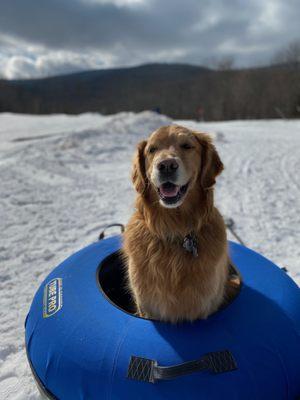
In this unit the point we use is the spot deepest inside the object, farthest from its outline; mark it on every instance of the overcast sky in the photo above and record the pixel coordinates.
(50, 37)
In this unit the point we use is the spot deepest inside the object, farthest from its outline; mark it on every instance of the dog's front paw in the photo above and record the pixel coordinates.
(140, 313)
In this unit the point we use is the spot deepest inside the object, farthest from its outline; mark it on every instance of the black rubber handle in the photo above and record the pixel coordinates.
(143, 369)
(229, 222)
(102, 234)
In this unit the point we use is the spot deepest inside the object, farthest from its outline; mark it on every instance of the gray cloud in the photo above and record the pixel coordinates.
(42, 37)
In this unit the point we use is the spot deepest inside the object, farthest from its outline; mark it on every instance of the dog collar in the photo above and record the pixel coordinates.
(190, 244)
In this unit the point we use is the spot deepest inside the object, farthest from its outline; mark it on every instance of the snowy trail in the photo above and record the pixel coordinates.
(70, 178)
(260, 187)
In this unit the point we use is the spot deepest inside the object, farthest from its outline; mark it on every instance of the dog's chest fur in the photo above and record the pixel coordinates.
(167, 281)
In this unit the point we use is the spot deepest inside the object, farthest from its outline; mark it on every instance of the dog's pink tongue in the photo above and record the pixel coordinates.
(169, 191)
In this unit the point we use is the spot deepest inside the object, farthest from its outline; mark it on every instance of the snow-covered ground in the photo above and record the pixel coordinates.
(63, 178)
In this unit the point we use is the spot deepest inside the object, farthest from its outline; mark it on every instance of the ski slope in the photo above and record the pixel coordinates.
(63, 178)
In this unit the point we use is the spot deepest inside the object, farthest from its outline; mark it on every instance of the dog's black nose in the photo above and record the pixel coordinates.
(167, 166)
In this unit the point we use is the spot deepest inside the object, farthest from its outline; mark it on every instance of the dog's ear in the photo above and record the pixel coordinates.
(211, 164)
(139, 178)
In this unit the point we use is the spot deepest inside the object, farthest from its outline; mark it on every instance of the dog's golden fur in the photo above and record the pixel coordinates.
(167, 282)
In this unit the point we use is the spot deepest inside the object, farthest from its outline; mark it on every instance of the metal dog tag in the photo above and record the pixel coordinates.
(190, 244)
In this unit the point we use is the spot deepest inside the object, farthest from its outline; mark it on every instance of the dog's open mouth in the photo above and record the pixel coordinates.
(171, 193)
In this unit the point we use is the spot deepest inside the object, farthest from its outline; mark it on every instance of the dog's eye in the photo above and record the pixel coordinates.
(186, 146)
(152, 149)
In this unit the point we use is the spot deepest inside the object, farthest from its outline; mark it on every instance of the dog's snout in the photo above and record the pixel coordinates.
(167, 166)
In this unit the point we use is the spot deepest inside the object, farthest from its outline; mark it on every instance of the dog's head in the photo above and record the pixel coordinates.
(174, 162)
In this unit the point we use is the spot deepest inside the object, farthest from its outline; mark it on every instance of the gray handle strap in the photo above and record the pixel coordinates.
(143, 369)
(102, 234)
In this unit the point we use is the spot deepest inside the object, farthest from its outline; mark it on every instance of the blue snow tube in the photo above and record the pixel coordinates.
(83, 343)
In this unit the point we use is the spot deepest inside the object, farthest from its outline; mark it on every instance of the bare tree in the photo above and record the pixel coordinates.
(224, 63)
(290, 55)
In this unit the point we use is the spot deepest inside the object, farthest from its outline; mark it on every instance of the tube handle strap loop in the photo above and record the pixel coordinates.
(102, 234)
(143, 369)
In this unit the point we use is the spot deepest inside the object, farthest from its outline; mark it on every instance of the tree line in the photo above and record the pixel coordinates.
(180, 91)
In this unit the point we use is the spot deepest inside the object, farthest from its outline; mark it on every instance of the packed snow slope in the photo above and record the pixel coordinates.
(63, 178)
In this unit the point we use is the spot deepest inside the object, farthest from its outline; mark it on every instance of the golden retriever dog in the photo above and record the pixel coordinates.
(175, 243)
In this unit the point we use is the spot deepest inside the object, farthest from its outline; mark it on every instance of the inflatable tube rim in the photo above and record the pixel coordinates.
(107, 298)
(41, 387)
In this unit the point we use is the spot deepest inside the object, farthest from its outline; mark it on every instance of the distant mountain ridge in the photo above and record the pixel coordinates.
(177, 90)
